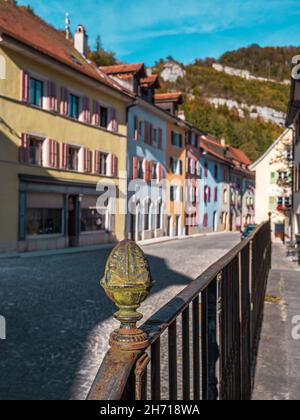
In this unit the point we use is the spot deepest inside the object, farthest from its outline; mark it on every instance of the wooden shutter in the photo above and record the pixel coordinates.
(25, 85)
(160, 138)
(136, 128)
(150, 134)
(150, 165)
(64, 155)
(114, 165)
(135, 167)
(96, 162)
(96, 113)
(64, 101)
(216, 193)
(24, 148)
(86, 109)
(160, 173)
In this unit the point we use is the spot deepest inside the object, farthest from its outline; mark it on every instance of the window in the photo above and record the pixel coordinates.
(103, 117)
(176, 166)
(36, 92)
(225, 200)
(206, 169)
(35, 154)
(175, 193)
(176, 139)
(73, 107)
(101, 163)
(140, 169)
(43, 221)
(155, 137)
(92, 221)
(216, 172)
(72, 162)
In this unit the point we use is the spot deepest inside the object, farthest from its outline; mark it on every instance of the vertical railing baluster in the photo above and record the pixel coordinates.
(173, 386)
(155, 371)
(186, 383)
(196, 349)
(204, 344)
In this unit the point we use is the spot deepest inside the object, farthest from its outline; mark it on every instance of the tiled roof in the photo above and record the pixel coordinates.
(31, 30)
(224, 152)
(170, 96)
(124, 68)
(150, 81)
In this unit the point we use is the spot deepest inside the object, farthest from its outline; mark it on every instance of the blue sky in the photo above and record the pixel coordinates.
(186, 29)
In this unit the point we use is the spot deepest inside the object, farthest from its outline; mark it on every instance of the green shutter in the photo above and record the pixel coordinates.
(272, 203)
(274, 177)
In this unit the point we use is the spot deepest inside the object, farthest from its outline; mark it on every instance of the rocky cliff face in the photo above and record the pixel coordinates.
(172, 72)
(254, 111)
(245, 74)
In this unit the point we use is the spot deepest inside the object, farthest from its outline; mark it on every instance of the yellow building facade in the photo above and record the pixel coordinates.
(176, 171)
(49, 199)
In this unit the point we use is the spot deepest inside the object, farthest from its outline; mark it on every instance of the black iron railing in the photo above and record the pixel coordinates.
(212, 327)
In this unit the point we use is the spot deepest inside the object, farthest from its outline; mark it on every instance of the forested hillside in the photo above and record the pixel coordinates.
(268, 62)
(237, 123)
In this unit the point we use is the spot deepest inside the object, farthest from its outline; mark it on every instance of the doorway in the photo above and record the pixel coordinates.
(73, 217)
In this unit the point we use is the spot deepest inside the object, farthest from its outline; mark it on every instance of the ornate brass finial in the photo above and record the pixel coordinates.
(127, 282)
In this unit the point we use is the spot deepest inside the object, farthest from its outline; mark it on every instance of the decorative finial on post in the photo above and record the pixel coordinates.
(127, 282)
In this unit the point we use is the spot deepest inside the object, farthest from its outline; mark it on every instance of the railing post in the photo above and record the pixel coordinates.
(127, 282)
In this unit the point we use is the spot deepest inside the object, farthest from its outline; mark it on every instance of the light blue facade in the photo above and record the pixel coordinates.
(148, 222)
(210, 195)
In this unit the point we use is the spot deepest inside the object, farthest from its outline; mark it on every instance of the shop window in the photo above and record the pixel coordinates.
(92, 221)
(43, 222)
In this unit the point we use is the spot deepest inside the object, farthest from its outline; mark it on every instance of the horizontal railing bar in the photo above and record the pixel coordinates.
(164, 317)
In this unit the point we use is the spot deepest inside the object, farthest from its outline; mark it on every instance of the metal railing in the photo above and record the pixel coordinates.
(219, 316)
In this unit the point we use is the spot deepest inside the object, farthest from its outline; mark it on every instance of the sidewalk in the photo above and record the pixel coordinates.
(278, 366)
(94, 248)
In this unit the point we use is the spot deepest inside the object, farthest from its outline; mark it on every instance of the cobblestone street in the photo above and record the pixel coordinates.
(59, 319)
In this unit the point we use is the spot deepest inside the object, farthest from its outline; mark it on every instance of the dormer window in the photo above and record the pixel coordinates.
(36, 92)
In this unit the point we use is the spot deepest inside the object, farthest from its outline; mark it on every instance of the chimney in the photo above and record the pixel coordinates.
(181, 115)
(81, 40)
(223, 142)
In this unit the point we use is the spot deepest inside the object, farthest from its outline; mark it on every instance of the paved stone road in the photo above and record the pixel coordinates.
(59, 320)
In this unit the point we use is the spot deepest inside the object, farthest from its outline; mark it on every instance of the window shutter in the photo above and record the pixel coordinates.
(50, 153)
(64, 155)
(52, 96)
(114, 165)
(209, 194)
(96, 113)
(216, 193)
(160, 138)
(150, 134)
(135, 167)
(25, 85)
(136, 128)
(24, 148)
(86, 109)
(181, 167)
(149, 171)
(96, 162)
(146, 132)
(64, 101)
(160, 173)
(112, 125)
